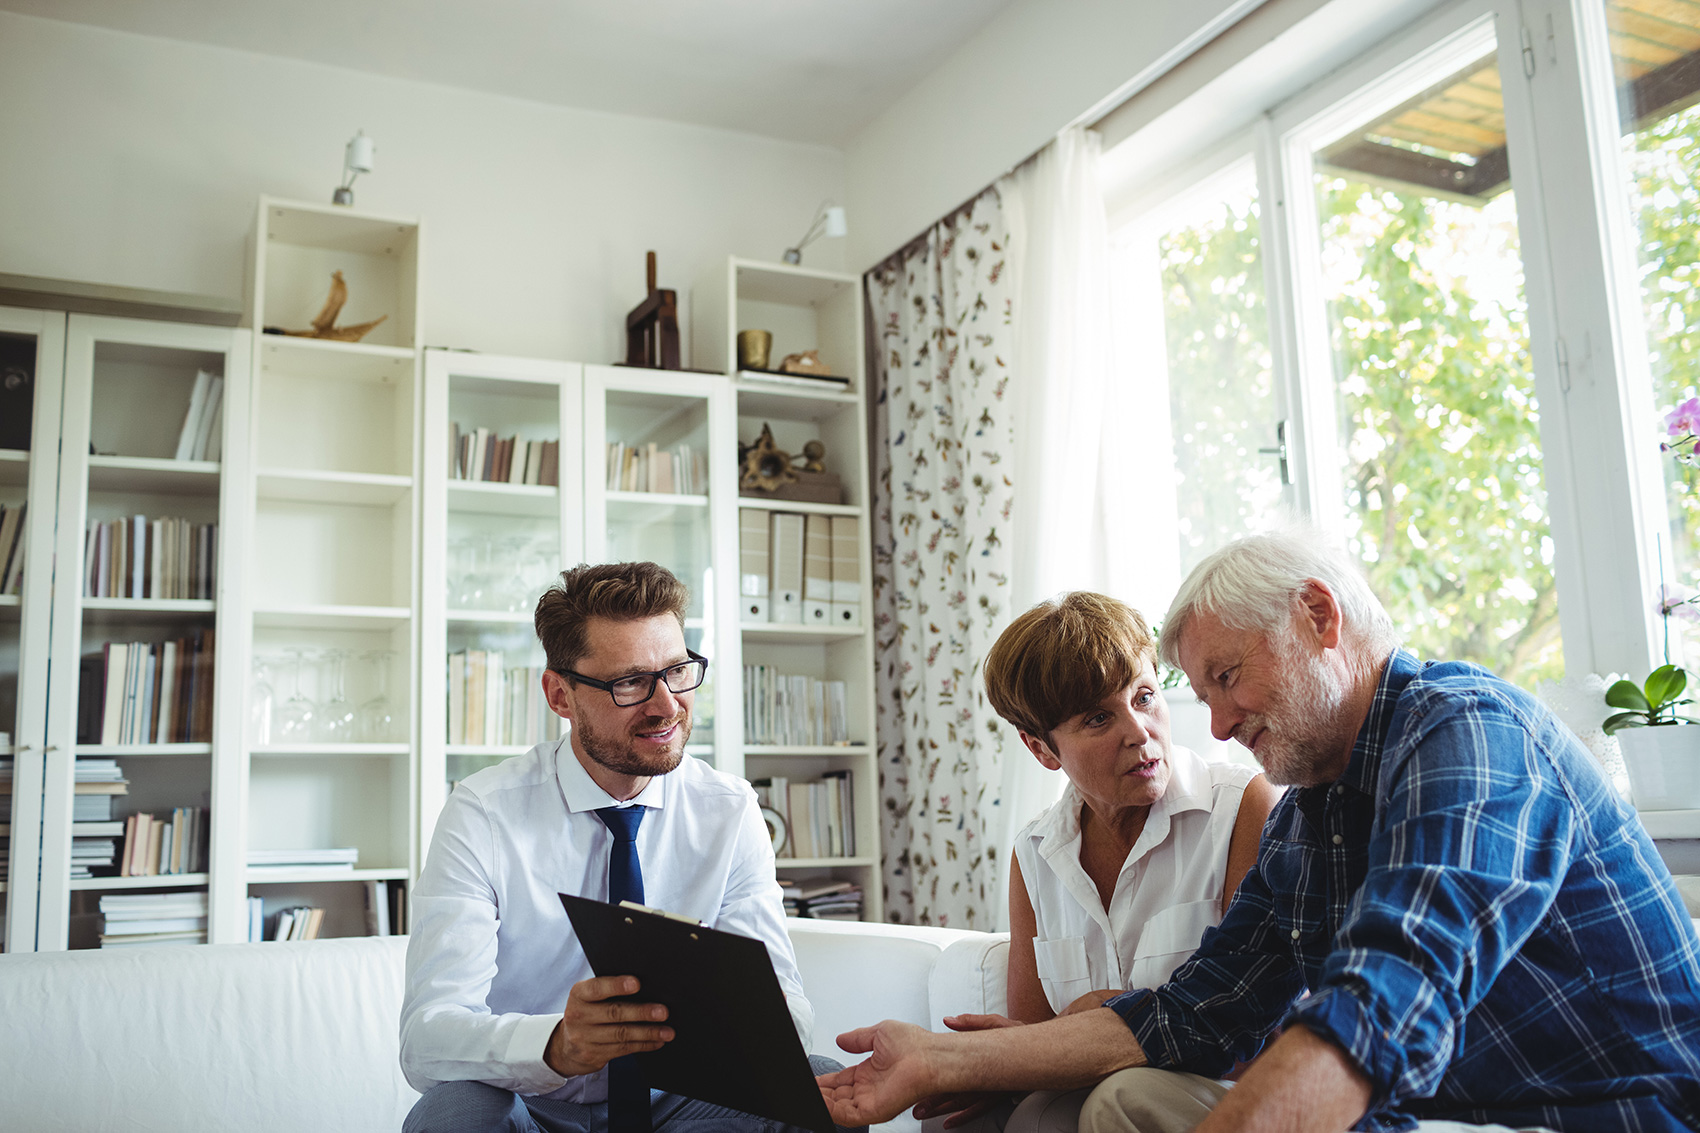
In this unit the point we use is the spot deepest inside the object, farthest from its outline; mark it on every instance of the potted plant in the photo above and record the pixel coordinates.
(1660, 752)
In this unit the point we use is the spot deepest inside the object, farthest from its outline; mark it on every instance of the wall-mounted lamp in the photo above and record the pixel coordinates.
(828, 221)
(357, 159)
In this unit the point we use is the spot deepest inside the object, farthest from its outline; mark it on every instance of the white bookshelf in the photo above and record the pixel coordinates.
(29, 477)
(490, 547)
(331, 560)
(805, 309)
(127, 387)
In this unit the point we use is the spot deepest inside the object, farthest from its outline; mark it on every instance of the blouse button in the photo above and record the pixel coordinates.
(1295, 934)
(1338, 839)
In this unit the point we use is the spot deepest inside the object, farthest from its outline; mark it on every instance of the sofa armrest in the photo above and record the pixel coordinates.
(971, 977)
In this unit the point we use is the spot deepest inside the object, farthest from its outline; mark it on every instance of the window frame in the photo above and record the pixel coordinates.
(1588, 349)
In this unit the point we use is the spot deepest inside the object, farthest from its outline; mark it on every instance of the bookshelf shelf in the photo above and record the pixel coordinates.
(766, 632)
(156, 881)
(154, 475)
(764, 399)
(638, 501)
(821, 863)
(128, 750)
(767, 503)
(332, 617)
(281, 355)
(366, 489)
(331, 750)
(274, 875)
(148, 606)
(503, 750)
(1671, 823)
(503, 499)
(489, 617)
(799, 751)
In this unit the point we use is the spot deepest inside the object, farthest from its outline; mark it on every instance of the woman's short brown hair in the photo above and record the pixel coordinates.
(1064, 656)
(621, 592)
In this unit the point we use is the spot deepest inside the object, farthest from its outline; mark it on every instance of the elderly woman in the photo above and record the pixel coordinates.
(1112, 886)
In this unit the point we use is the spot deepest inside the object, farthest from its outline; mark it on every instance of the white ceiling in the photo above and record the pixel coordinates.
(802, 70)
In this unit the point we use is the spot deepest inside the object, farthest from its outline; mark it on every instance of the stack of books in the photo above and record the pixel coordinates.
(823, 898)
(137, 919)
(155, 846)
(793, 710)
(480, 455)
(138, 557)
(491, 704)
(819, 816)
(158, 694)
(680, 471)
(337, 859)
(95, 784)
(11, 548)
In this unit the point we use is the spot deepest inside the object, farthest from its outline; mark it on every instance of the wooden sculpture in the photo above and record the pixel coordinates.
(652, 328)
(324, 324)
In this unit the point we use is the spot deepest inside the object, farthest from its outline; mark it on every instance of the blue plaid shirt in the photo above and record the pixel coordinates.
(1482, 925)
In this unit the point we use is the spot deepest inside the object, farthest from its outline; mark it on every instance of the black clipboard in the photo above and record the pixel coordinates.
(734, 1042)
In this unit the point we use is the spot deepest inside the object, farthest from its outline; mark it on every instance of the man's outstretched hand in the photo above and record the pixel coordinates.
(895, 1075)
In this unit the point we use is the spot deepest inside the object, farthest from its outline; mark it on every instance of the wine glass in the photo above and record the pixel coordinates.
(377, 720)
(294, 718)
(336, 714)
(261, 702)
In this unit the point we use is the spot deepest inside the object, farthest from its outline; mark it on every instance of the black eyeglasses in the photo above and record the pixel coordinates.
(635, 688)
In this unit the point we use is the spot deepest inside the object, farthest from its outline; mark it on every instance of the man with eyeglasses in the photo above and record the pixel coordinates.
(504, 1026)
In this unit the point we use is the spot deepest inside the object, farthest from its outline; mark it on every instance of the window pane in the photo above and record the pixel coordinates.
(1654, 49)
(1221, 388)
(1439, 426)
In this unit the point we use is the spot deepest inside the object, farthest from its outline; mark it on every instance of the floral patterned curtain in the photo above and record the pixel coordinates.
(943, 444)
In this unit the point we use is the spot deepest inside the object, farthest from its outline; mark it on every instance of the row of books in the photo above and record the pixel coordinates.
(298, 922)
(154, 846)
(823, 898)
(796, 710)
(138, 557)
(12, 548)
(681, 470)
(201, 436)
(386, 908)
(818, 817)
(799, 569)
(480, 455)
(140, 919)
(157, 693)
(493, 703)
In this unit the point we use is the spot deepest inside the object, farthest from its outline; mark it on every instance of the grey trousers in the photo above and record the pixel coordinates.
(1172, 1101)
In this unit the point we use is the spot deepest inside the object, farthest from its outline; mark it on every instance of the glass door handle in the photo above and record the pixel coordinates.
(1279, 450)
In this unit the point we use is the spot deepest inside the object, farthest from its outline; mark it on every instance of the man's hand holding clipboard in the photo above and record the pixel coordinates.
(714, 1026)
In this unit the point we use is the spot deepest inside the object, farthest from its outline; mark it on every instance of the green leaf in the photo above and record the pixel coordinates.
(1627, 694)
(1665, 684)
(1622, 720)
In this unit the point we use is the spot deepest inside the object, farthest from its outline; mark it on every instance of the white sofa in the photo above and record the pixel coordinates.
(292, 1037)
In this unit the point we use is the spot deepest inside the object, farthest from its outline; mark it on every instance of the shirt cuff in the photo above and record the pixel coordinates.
(524, 1056)
(1338, 1016)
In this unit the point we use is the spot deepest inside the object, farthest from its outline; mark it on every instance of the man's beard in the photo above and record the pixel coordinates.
(620, 754)
(1302, 741)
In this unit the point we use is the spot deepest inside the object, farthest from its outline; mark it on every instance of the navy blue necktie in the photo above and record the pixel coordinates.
(628, 1097)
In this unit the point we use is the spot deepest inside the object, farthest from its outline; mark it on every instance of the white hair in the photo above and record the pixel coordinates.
(1255, 583)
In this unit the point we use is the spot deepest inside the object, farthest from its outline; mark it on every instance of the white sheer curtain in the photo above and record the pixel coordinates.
(1071, 429)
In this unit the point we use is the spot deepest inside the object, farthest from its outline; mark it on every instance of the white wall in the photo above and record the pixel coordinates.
(137, 161)
(1037, 67)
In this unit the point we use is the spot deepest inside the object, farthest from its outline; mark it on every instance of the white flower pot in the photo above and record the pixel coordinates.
(1664, 766)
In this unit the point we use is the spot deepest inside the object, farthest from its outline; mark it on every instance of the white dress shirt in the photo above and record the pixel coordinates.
(1168, 892)
(493, 956)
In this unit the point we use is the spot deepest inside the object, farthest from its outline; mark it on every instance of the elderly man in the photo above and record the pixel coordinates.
(1484, 930)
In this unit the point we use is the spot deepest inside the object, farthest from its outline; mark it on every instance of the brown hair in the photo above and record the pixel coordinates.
(1064, 656)
(621, 592)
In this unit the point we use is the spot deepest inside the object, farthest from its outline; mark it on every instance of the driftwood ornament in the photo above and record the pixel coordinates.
(807, 362)
(324, 324)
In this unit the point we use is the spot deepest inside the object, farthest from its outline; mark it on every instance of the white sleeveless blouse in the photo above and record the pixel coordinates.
(1169, 890)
